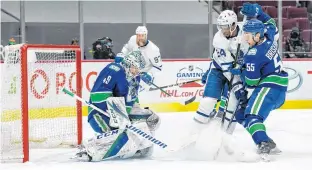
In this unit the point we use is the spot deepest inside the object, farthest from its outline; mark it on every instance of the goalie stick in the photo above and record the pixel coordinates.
(130, 128)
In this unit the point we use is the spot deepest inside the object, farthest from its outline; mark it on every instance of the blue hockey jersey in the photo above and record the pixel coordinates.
(271, 31)
(112, 82)
(264, 67)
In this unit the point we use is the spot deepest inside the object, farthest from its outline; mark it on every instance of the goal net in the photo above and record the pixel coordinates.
(34, 111)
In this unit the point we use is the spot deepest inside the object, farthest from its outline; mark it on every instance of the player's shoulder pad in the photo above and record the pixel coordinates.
(132, 38)
(132, 41)
(219, 41)
(115, 67)
(153, 45)
(252, 51)
(270, 48)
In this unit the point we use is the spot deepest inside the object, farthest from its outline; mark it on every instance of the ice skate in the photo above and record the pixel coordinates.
(275, 150)
(264, 149)
(82, 155)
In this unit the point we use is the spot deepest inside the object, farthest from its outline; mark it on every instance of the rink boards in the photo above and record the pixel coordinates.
(174, 71)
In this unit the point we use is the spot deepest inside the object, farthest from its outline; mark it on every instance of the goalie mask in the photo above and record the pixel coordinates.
(131, 64)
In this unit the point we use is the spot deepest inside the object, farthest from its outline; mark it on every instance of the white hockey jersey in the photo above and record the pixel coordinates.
(224, 53)
(152, 62)
(225, 50)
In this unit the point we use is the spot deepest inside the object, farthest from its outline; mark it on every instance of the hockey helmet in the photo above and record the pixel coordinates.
(226, 19)
(141, 30)
(254, 26)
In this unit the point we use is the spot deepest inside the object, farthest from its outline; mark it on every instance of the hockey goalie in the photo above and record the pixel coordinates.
(115, 91)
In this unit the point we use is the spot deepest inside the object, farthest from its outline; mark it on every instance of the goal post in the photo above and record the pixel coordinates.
(34, 111)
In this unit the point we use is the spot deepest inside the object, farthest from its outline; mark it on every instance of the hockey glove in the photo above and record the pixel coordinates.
(147, 78)
(204, 78)
(241, 96)
(235, 71)
(251, 10)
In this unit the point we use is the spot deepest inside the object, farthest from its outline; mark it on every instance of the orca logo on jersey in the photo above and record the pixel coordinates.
(252, 51)
(146, 136)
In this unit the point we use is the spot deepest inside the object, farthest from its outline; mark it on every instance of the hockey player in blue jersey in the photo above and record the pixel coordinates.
(115, 90)
(254, 11)
(115, 80)
(267, 82)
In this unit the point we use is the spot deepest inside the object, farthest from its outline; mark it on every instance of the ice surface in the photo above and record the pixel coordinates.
(289, 128)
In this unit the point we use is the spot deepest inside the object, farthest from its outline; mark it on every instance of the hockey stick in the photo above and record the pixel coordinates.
(112, 117)
(172, 85)
(228, 94)
(161, 89)
(130, 128)
(191, 100)
(232, 77)
(184, 102)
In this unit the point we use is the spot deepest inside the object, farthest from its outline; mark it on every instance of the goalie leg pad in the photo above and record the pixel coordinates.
(145, 147)
(110, 145)
(99, 122)
(99, 145)
(119, 144)
(116, 108)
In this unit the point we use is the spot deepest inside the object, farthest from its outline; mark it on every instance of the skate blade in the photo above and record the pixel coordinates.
(275, 151)
(265, 157)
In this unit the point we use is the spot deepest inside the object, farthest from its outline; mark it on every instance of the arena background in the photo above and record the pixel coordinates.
(183, 30)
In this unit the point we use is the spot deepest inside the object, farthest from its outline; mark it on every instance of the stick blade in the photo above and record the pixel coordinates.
(191, 100)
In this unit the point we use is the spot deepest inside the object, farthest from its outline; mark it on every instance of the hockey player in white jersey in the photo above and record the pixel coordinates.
(219, 73)
(225, 44)
(151, 61)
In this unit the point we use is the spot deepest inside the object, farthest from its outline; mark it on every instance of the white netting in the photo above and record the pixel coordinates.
(52, 115)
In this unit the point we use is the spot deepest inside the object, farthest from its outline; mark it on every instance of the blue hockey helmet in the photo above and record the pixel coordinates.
(254, 26)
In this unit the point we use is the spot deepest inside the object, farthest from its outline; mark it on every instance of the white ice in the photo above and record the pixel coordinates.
(289, 128)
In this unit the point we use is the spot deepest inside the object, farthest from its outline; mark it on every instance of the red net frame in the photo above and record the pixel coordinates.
(24, 91)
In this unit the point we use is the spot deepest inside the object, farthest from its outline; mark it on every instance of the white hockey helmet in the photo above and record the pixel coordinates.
(226, 19)
(141, 30)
